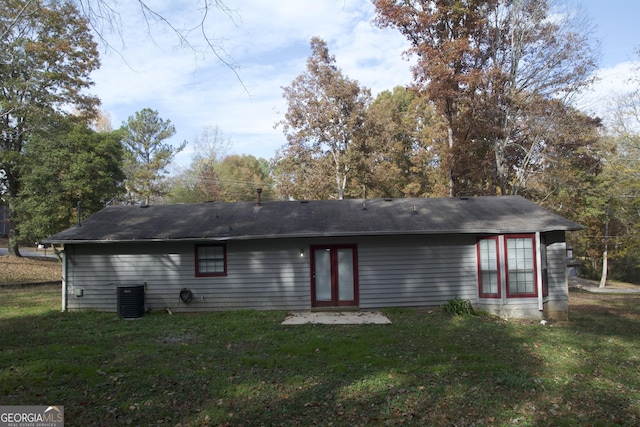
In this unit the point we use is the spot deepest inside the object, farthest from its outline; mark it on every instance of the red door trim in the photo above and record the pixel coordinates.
(335, 302)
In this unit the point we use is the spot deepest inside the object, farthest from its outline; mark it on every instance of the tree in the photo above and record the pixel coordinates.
(405, 142)
(485, 64)
(234, 179)
(544, 61)
(104, 18)
(146, 155)
(199, 182)
(325, 117)
(616, 205)
(210, 149)
(448, 38)
(241, 175)
(46, 57)
(609, 205)
(302, 174)
(216, 176)
(102, 122)
(181, 189)
(64, 165)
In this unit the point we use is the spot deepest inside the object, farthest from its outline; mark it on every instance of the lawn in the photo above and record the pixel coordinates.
(245, 369)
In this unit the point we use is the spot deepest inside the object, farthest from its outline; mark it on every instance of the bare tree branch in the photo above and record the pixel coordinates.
(104, 17)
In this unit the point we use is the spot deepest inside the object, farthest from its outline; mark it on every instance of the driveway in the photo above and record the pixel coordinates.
(593, 286)
(31, 252)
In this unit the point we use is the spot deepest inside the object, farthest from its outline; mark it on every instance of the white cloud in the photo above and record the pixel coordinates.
(611, 82)
(270, 42)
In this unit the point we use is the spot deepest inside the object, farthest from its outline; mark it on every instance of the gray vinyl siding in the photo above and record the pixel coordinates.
(409, 271)
(557, 265)
(271, 274)
(558, 300)
(260, 275)
(416, 270)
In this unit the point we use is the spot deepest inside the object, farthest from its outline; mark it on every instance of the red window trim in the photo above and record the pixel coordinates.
(535, 266)
(197, 265)
(480, 293)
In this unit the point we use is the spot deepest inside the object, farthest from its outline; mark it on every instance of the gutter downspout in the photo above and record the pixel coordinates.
(539, 272)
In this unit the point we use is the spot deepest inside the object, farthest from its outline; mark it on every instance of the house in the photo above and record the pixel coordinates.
(505, 254)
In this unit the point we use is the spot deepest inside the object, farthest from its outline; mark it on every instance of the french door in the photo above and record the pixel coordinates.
(334, 276)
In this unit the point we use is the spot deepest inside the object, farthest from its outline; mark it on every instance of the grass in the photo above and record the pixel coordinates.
(245, 369)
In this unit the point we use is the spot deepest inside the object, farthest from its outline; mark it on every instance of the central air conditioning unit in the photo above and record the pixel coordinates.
(131, 301)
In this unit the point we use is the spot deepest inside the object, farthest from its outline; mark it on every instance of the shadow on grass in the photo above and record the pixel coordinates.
(245, 368)
(436, 376)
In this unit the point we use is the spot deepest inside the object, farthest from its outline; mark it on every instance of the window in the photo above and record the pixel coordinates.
(511, 260)
(488, 273)
(211, 260)
(521, 267)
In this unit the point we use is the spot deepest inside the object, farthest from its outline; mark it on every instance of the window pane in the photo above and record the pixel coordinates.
(488, 267)
(211, 266)
(210, 252)
(521, 282)
(489, 282)
(521, 266)
(488, 254)
(210, 259)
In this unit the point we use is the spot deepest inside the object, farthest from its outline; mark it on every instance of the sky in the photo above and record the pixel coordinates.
(146, 67)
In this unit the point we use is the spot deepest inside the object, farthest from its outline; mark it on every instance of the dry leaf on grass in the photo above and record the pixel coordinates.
(19, 271)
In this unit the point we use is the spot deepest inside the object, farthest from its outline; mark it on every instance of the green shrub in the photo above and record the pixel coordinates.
(458, 307)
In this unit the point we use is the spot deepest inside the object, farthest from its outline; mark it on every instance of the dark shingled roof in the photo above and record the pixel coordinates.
(279, 219)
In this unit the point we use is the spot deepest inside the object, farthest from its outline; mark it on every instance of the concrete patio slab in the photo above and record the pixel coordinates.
(336, 318)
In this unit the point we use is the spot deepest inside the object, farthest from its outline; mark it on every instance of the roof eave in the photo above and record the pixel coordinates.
(311, 235)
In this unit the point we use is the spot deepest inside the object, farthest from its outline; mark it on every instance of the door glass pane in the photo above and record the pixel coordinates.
(345, 275)
(323, 274)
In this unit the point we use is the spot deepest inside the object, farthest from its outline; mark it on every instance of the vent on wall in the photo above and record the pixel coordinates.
(131, 301)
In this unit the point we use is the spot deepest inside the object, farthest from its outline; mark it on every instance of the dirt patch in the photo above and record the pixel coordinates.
(20, 271)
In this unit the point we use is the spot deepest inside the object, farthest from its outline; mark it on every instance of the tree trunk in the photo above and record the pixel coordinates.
(339, 182)
(341, 176)
(501, 172)
(12, 248)
(605, 267)
(450, 140)
(605, 254)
